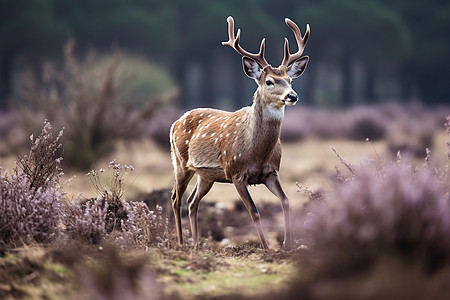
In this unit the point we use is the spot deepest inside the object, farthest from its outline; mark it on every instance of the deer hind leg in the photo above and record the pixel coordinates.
(253, 211)
(182, 179)
(202, 187)
(274, 185)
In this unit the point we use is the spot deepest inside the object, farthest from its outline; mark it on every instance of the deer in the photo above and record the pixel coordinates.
(241, 147)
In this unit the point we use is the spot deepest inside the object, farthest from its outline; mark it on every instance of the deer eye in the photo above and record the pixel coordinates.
(269, 83)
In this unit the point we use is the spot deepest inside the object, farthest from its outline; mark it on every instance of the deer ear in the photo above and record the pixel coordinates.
(298, 67)
(251, 68)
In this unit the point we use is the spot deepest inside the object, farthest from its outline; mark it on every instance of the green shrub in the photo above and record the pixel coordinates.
(97, 101)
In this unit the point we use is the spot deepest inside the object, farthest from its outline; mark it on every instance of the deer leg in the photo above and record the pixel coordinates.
(181, 182)
(274, 185)
(253, 211)
(202, 188)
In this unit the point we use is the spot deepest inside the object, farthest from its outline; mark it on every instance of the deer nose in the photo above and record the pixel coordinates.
(292, 98)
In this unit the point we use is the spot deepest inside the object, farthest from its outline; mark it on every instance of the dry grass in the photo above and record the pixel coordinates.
(310, 162)
(305, 162)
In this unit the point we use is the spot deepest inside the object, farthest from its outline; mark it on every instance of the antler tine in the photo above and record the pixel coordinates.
(301, 42)
(231, 38)
(233, 42)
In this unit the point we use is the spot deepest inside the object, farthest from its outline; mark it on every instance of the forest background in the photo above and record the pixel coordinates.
(361, 51)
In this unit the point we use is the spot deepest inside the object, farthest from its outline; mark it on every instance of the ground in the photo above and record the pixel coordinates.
(38, 272)
(217, 269)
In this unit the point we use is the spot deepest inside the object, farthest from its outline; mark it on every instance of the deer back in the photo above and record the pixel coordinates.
(230, 142)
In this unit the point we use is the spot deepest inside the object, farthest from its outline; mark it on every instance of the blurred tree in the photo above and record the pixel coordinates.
(378, 34)
(27, 28)
(136, 25)
(202, 28)
(427, 68)
(350, 30)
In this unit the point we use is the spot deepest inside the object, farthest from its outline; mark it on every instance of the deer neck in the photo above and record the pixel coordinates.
(264, 125)
(265, 114)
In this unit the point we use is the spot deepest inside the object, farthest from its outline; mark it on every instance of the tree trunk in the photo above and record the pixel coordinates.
(179, 72)
(179, 64)
(309, 87)
(346, 99)
(6, 66)
(207, 98)
(369, 89)
(240, 96)
(406, 87)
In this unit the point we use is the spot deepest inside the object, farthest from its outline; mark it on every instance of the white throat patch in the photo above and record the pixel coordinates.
(275, 113)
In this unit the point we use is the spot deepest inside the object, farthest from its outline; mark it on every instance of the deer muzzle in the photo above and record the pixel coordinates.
(291, 99)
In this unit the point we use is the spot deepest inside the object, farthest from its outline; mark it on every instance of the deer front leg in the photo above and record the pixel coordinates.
(274, 185)
(202, 187)
(242, 189)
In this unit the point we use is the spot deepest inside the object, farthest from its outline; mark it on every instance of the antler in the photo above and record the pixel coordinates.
(233, 42)
(301, 42)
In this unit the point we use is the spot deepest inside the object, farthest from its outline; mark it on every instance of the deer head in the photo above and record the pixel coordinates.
(274, 83)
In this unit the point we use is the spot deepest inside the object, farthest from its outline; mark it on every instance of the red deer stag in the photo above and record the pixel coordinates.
(241, 147)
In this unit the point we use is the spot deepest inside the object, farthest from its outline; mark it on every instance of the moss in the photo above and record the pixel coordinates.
(236, 275)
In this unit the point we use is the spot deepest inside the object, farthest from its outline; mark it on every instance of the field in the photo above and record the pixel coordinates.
(89, 91)
(336, 253)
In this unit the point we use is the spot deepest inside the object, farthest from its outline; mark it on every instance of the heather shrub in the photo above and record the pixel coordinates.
(379, 210)
(158, 127)
(86, 220)
(27, 215)
(355, 123)
(109, 217)
(42, 165)
(6, 124)
(445, 172)
(143, 227)
(381, 232)
(8, 133)
(112, 192)
(305, 122)
(30, 199)
(447, 142)
(366, 122)
(411, 137)
(409, 128)
(158, 197)
(92, 219)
